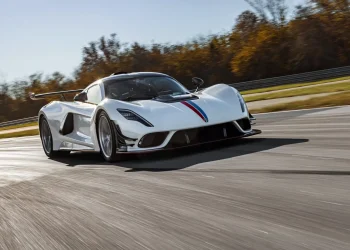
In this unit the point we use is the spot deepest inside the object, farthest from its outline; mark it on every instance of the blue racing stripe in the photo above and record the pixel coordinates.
(199, 109)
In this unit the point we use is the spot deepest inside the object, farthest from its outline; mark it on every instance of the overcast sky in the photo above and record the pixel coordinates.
(48, 35)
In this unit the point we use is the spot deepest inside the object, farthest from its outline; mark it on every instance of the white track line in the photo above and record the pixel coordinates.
(258, 114)
(295, 110)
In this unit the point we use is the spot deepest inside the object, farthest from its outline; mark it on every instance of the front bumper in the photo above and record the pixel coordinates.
(169, 140)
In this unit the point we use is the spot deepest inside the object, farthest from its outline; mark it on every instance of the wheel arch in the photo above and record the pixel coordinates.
(40, 118)
(95, 118)
(113, 156)
(94, 127)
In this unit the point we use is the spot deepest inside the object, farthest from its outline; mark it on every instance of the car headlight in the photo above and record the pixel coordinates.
(132, 116)
(241, 101)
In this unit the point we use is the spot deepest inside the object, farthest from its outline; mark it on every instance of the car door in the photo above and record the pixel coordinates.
(82, 119)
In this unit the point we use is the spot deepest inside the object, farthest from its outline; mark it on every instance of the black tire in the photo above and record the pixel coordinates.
(48, 145)
(111, 156)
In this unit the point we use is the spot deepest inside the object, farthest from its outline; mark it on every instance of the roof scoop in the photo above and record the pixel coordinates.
(119, 73)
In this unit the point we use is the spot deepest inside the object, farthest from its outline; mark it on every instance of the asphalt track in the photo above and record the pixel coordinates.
(288, 188)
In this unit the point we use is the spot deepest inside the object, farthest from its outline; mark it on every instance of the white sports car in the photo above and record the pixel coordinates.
(141, 112)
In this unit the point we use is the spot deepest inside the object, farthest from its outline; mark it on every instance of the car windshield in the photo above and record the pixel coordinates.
(143, 88)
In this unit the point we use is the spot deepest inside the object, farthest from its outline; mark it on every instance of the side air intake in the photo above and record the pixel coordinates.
(68, 125)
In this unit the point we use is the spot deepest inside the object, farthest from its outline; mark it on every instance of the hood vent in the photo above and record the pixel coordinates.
(172, 99)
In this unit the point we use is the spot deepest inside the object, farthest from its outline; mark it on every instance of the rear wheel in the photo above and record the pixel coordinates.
(107, 138)
(46, 140)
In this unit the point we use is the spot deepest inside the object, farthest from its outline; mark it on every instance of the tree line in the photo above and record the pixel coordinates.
(266, 42)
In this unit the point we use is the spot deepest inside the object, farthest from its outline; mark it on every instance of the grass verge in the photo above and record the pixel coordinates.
(317, 102)
(19, 126)
(20, 134)
(344, 86)
(293, 85)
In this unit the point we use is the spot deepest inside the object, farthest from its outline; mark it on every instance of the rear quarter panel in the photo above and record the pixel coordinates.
(56, 113)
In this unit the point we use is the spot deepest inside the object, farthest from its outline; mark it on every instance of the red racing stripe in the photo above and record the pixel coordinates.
(194, 110)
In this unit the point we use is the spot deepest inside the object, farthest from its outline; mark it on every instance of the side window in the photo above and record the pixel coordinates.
(94, 95)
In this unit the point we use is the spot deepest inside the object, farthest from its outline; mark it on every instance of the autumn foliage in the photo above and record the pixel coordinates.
(265, 43)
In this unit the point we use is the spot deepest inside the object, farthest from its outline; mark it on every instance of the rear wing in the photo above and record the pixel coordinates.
(34, 96)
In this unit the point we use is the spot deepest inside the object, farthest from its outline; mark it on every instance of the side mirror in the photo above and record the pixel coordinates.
(197, 82)
(81, 97)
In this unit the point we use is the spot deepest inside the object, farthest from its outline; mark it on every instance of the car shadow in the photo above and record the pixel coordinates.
(183, 158)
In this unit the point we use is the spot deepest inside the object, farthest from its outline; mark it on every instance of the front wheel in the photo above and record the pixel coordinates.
(46, 140)
(107, 138)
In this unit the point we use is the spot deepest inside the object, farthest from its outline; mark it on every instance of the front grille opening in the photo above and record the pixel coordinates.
(153, 139)
(203, 134)
(244, 124)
